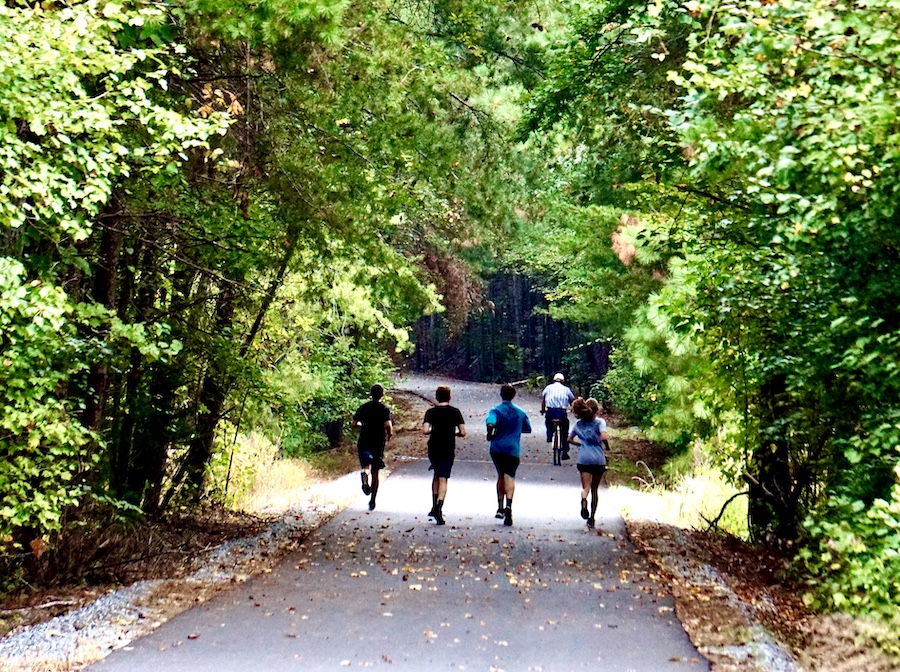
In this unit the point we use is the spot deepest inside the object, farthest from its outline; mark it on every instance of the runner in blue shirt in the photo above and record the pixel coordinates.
(506, 423)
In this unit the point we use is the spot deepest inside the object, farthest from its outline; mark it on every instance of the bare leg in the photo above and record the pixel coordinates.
(438, 494)
(435, 486)
(440, 488)
(375, 473)
(585, 488)
(585, 484)
(595, 485)
(509, 487)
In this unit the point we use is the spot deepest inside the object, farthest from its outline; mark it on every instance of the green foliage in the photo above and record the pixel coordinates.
(306, 385)
(47, 451)
(268, 23)
(852, 557)
(44, 451)
(852, 552)
(630, 393)
(70, 101)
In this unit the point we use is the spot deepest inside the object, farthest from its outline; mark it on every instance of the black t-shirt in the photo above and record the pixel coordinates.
(372, 415)
(443, 421)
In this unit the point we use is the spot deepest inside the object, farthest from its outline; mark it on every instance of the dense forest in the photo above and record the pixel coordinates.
(221, 218)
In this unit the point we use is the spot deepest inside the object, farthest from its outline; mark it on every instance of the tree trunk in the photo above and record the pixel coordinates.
(210, 404)
(104, 293)
(153, 437)
(772, 506)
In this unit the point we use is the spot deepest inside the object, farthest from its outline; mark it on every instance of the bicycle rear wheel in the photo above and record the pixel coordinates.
(557, 447)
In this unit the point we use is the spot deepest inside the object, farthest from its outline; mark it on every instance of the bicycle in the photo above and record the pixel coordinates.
(558, 447)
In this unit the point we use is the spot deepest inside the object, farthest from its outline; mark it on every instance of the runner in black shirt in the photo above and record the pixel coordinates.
(442, 424)
(375, 428)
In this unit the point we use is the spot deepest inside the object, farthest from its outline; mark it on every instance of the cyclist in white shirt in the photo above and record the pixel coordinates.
(555, 401)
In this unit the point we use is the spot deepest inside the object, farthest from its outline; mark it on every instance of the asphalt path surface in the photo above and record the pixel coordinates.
(389, 589)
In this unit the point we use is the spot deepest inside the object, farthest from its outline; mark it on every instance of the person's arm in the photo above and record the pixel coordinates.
(604, 442)
(574, 440)
(461, 430)
(491, 423)
(388, 430)
(426, 428)
(526, 426)
(543, 402)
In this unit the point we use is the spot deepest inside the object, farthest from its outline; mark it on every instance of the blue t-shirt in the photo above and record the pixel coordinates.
(509, 422)
(590, 451)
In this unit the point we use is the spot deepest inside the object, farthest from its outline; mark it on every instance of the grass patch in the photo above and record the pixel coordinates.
(276, 486)
(690, 502)
(261, 481)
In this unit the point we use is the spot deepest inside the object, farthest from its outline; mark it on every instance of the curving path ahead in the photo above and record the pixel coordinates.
(391, 590)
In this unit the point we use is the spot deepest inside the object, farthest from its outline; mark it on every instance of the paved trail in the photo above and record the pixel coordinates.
(391, 590)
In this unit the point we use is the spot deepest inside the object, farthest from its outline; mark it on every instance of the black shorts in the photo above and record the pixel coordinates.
(441, 463)
(505, 463)
(593, 469)
(367, 458)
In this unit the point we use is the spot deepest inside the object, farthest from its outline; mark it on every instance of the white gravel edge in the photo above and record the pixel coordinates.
(760, 651)
(85, 635)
